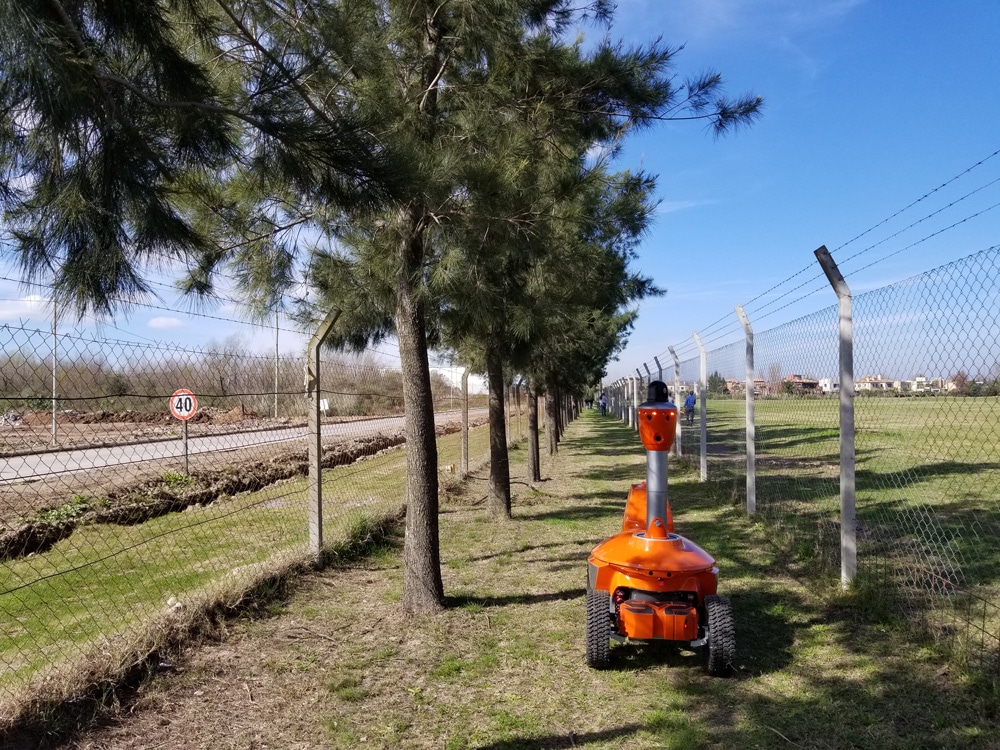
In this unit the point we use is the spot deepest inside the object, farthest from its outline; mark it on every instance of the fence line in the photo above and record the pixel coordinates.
(908, 451)
(109, 545)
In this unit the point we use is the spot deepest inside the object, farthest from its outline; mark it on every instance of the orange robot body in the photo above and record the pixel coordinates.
(647, 621)
(657, 426)
(655, 584)
(669, 564)
(648, 582)
(635, 510)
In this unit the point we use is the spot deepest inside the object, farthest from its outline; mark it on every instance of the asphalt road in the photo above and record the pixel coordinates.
(39, 465)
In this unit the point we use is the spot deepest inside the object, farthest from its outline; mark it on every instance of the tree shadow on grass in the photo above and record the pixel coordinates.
(621, 472)
(458, 601)
(569, 739)
(576, 512)
(892, 702)
(615, 495)
(527, 548)
(765, 633)
(765, 629)
(580, 557)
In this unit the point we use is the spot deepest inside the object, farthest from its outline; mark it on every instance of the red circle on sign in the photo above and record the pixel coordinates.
(183, 404)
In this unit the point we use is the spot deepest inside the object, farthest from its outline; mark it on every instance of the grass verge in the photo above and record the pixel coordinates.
(85, 614)
(503, 666)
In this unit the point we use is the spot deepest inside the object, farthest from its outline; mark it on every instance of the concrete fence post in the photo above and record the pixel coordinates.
(628, 401)
(678, 450)
(636, 399)
(751, 424)
(848, 520)
(703, 408)
(464, 466)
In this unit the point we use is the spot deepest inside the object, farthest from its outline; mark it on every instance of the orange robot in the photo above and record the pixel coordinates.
(648, 583)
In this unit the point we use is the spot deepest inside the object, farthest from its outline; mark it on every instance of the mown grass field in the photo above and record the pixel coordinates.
(338, 665)
(939, 455)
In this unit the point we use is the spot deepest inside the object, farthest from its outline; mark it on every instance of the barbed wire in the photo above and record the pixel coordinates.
(175, 348)
(237, 321)
(711, 334)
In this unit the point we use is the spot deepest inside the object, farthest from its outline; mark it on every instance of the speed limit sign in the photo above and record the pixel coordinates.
(183, 404)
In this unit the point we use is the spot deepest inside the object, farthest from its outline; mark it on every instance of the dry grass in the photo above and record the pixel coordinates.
(503, 666)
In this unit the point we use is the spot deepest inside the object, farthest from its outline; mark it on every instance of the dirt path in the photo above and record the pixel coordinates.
(337, 665)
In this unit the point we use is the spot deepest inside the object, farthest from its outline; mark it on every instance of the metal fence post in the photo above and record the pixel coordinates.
(623, 400)
(620, 391)
(636, 390)
(678, 451)
(659, 369)
(627, 400)
(848, 523)
(55, 350)
(316, 437)
(751, 424)
(465, 422)
(702, 398)
(275, 362)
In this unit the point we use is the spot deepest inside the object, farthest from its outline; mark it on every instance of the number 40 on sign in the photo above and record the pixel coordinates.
(183, 404)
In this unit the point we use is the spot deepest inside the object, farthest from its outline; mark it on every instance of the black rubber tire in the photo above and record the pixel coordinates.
(598, 628)
(720, 651)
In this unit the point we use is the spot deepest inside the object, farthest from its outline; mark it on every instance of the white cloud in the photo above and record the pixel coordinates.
(477, 384)
(165, 323)
(669, 207)
(598, 152)
(31, 306)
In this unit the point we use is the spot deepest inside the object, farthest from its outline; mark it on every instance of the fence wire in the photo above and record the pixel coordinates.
(927, 444)
(116, 530)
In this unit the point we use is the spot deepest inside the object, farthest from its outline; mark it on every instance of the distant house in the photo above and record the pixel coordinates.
(921, 384)
(873, 383)
(801, 384)
(739, 387)
(829, 385)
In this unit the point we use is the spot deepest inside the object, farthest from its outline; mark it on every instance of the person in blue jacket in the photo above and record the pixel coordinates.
(689, 402)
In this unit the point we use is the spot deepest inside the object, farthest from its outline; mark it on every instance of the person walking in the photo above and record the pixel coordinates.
(689, 402)
(604, 404)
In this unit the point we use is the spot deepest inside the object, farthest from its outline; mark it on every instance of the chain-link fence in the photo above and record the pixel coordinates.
(121, 524)
(926, 432)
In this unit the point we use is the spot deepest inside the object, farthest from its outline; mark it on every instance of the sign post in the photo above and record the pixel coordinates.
(184, 405)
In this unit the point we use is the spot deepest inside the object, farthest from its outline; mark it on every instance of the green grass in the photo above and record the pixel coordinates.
(927, 483)
(502, 667)
(104, 589)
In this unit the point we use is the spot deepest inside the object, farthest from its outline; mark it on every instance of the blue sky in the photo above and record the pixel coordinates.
(868, 107)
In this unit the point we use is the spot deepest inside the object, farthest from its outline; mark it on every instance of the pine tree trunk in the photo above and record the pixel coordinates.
(534, 465)
(551, 421)
(423, 590)
(498, 502)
